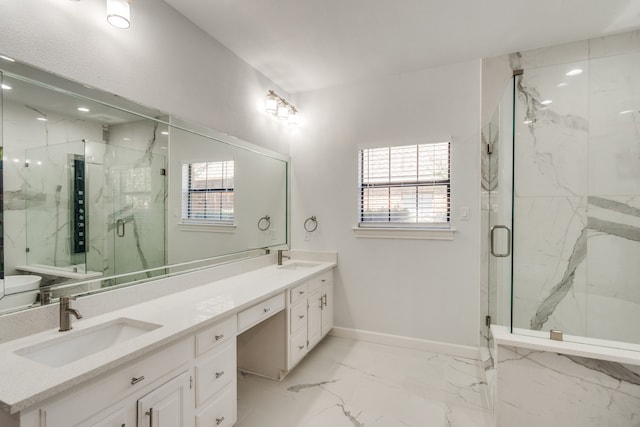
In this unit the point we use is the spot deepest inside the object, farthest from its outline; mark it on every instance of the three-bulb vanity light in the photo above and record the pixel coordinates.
(279, 107)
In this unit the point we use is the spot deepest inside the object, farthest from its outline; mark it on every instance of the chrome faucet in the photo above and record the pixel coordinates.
(65, 313)
(280, 256)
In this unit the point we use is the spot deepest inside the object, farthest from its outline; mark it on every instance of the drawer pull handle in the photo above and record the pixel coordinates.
(135, 380)
(301, 292)
(323, 280)
(300, 347)
(219, 374)
(301, 316)
(266, 310)
(219, 337)
(150, 413)
(219, 421)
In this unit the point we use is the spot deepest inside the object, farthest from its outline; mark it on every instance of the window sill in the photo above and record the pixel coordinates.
(207, 228)
(404, 233)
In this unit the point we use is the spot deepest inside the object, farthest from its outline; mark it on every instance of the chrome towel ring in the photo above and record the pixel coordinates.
(311, 224)
(264, 223)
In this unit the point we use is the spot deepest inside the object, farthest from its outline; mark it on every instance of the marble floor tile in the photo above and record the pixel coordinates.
(351, 383)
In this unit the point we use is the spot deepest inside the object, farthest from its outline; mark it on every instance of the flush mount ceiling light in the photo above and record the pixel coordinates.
(574, 72)
(118, 13)
(83, 109)
(279, 107)
(6, 87)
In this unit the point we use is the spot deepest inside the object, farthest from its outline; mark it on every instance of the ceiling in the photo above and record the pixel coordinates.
(305, 45)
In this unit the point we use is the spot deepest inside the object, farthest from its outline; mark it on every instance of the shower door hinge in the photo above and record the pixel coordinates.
(489, 148)
(26, 250)
(163, 172)
(487, 320)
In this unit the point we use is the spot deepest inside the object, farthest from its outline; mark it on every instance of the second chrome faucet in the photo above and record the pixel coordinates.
(65, 313)
(280, 256)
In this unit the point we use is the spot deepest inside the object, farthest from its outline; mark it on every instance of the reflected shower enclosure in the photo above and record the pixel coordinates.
(102, 214)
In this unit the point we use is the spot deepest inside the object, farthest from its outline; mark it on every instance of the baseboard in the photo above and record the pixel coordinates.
(407, 342)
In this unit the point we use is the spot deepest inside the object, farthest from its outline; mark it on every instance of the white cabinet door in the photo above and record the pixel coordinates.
(168, 405)
(314, 319)
(327, 309)
(113, 418)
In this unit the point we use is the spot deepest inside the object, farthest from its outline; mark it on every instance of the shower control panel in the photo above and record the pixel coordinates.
(78, 208)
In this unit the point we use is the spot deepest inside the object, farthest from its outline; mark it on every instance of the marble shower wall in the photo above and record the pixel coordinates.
(577, 187)
(22, 132)
(125, 160)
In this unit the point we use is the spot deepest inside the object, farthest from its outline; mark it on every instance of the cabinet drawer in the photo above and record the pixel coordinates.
(215, 372)
(259, 312)
(297, 347)
(298, 293)
(116, 386)
(298, 316)
(222, 412)
(316, 282)
(215, 335)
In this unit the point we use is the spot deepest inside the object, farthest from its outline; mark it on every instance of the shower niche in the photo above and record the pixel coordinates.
(102, 215)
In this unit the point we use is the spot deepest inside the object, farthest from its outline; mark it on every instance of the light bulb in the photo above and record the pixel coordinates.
(118, 13)
(293, 119)
(283, 112)
(270, 104)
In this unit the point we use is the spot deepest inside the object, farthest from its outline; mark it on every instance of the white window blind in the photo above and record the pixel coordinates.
(405, 186)
(207, 192)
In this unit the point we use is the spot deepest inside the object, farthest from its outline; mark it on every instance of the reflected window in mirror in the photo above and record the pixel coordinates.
(208, 192)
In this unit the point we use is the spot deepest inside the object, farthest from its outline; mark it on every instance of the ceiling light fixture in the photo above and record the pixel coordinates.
(574, 72)
(627, 111)
(83, 109)
(6, 58)
(6, 87)
(546, 102)
(279, 107)
(118, 13)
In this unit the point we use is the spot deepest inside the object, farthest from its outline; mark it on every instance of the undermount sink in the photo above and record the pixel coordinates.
(298, 265)
(72, 346)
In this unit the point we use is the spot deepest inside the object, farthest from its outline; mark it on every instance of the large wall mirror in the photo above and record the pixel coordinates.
(100, 193)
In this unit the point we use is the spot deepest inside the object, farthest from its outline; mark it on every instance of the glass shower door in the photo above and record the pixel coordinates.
(137, 222)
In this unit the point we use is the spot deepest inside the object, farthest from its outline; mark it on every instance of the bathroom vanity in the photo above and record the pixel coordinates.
(173, 360)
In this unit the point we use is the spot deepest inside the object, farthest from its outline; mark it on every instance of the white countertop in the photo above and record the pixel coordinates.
(25, 382)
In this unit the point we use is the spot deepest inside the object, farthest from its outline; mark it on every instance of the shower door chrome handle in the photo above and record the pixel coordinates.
(120, 227)
(493, 252)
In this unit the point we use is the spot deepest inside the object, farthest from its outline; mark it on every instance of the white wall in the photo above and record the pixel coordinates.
(162, 61)
(417, 288)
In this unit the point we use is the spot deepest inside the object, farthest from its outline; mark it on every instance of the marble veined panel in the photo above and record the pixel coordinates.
(614, 272)
(551, 132)
(549, 272)
(537, 388)
(614, 248)
(614, 126)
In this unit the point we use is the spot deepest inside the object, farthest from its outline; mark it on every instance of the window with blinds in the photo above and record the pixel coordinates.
(207, 192)
(405, 186)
